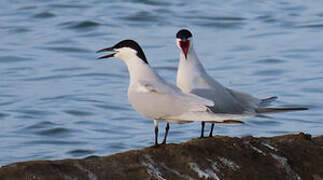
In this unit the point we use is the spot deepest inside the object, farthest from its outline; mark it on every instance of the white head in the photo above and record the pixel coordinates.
(184, 41)
(125, 50)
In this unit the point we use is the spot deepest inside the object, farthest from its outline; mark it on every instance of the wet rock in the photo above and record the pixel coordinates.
(283, 157)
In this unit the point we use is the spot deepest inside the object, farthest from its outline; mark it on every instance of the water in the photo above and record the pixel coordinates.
(58, 101)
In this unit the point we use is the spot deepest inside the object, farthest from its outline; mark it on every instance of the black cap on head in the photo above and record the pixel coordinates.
(183, 34)
(133, 45)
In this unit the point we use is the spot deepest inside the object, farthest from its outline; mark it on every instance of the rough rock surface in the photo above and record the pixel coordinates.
(283, 157)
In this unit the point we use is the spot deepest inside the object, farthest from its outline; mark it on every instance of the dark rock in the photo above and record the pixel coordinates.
(282, 157)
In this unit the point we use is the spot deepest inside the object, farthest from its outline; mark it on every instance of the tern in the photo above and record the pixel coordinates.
(154, 98)
(192, 78)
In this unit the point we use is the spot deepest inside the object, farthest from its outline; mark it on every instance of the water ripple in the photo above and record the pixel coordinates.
(121, 76)
(28, 7)
(54, 142)
(263, 122)
(63, 76)
(279, 132)
(167, 68)
(266, 34)
(274, 72)
(13, 59)
(67, 49)
(266, 18)
(68, 6)
(45, 78)
(56, 98)
(112, 107)
(152, 2)
(78, 113)
(71, 69)
(142, 16)
(84, 24)
(224, 25)
(312, 90)
(270, 61)
(3, 115)
(40, 125)
(318, 26)
(218, 18)
(34, 112)
(20, 30)
(81, 152)
(57, 132)
(44, 15)
(6, 103)
(217, 21)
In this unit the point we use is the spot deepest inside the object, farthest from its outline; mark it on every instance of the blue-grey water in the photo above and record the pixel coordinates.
(58, 101)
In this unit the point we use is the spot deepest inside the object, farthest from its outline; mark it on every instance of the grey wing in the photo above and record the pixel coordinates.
(192, 101)
(164, 100)
(245, 98)
(225, 102)
(205, 93)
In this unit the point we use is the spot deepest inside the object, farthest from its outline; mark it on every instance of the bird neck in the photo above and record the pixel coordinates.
(190, 71)
(191, 62)
(139, 70)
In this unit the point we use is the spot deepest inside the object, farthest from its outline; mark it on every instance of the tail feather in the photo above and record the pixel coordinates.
(267, 101)
(276, 110)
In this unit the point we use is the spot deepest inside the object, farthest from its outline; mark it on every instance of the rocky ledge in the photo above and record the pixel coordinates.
(283, 157)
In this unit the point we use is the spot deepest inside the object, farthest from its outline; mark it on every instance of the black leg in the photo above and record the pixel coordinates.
(166, 133)
(211, 131)
(202, 130)
(156, 135)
